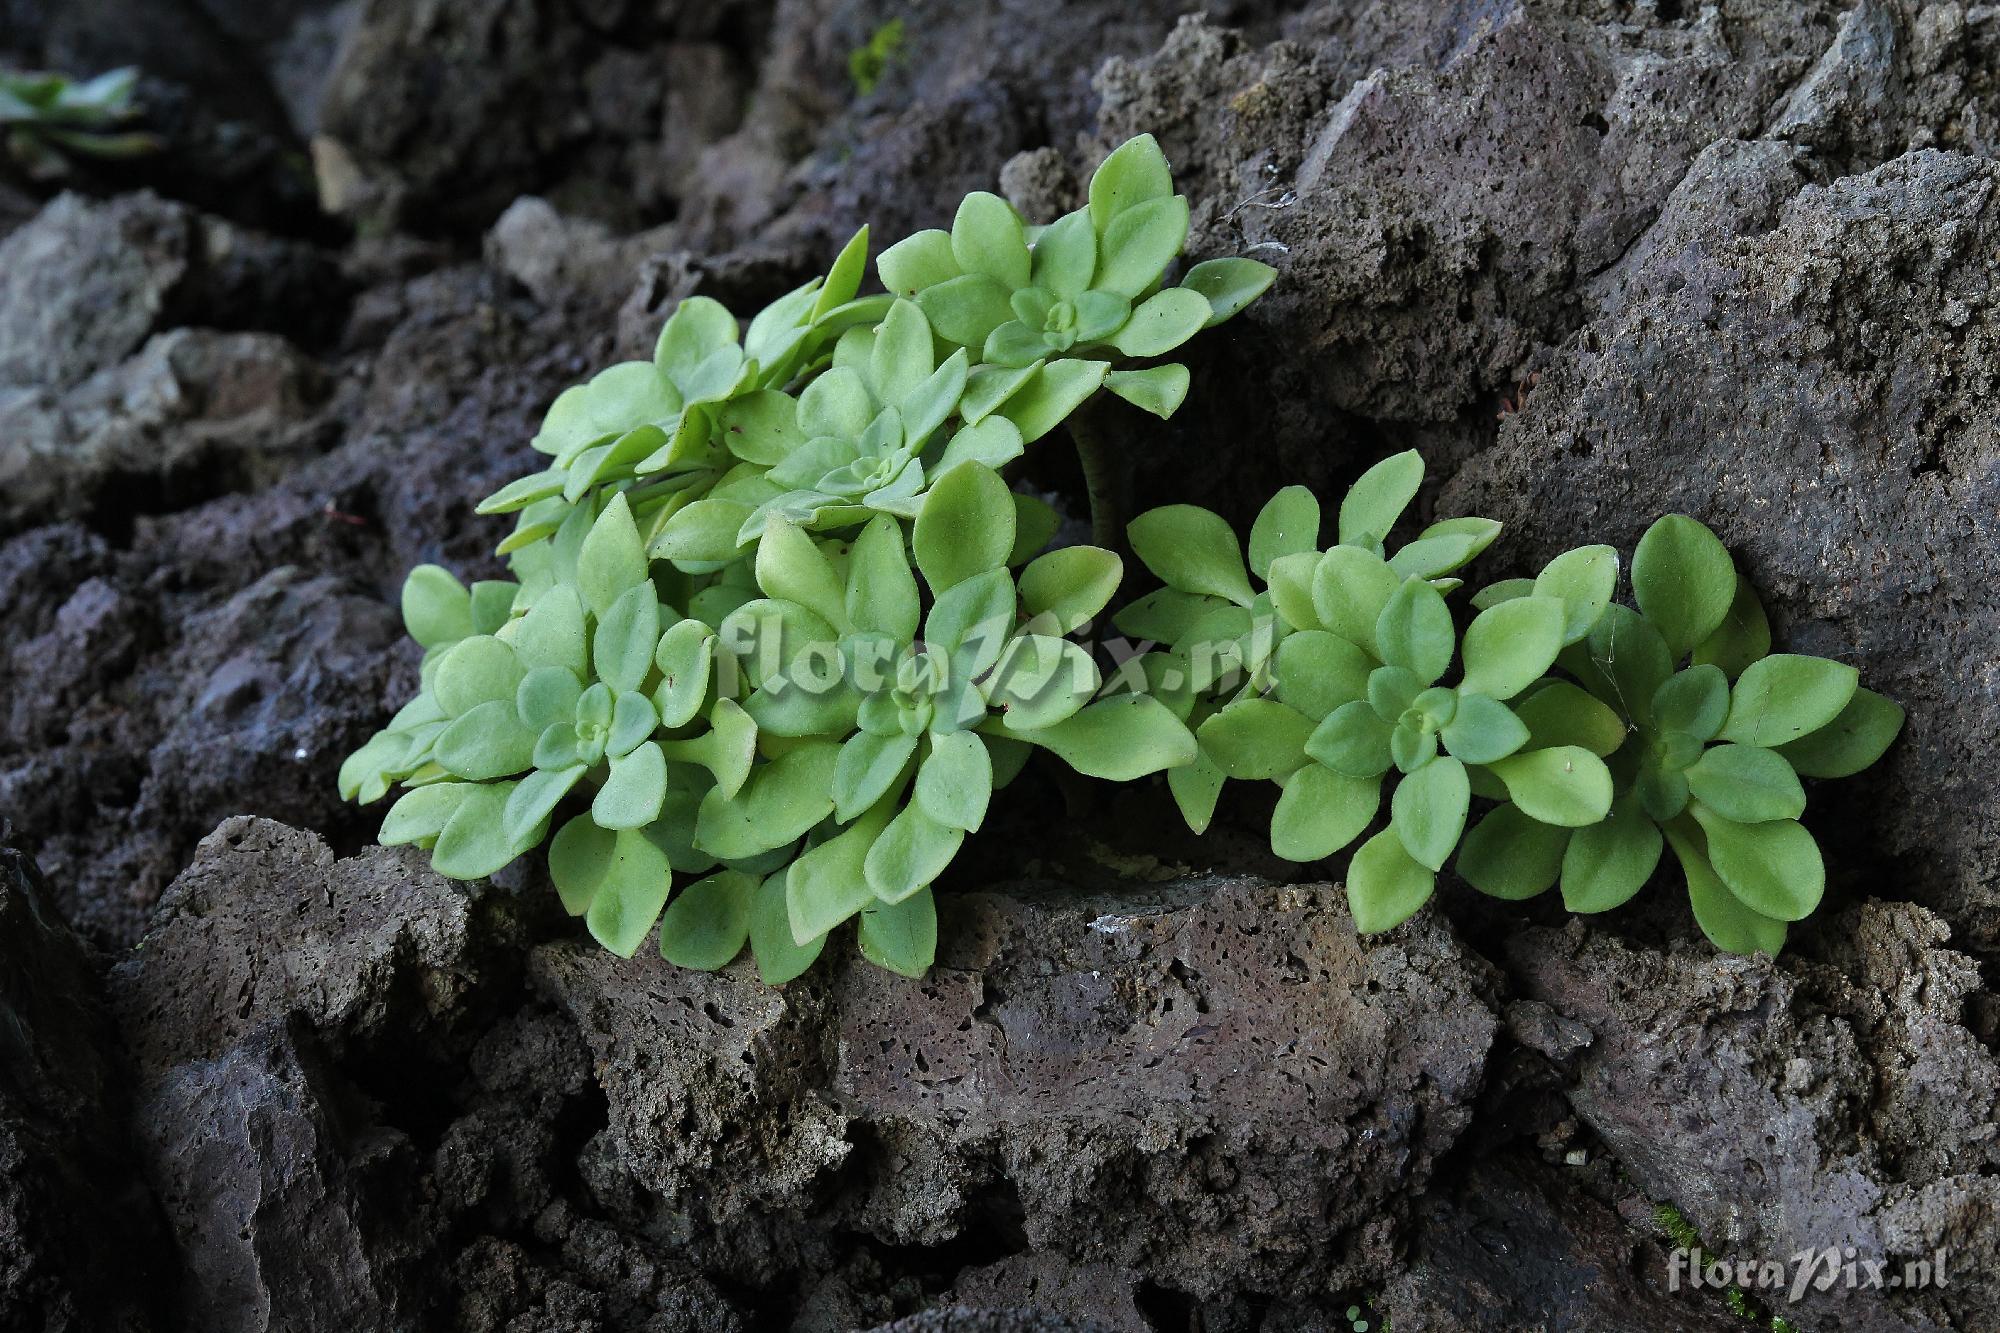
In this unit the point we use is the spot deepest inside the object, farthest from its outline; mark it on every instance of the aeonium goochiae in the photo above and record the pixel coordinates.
(1706, 733)
(778, 629)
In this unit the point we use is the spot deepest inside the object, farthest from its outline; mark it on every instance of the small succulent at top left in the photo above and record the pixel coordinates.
(45, 118)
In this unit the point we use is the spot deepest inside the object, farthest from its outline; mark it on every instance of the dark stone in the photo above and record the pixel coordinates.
(1198, 1084)
(73, 1210)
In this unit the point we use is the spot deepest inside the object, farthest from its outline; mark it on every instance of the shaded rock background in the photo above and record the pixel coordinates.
(1596, 258)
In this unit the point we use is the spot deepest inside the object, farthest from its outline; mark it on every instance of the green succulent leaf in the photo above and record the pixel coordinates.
(966, 526)
(1747, 784)
(487, 741)
(437, 609)
(1583, 580)
(900, 937)
(868, 767)
(1379, 497)
(1608, 862)
(1510, 856)
(1291, 582)
(474, 671)
(627, 637)
(1482, 729)
(829, 883)
(1684, 581)
(912, 851)
(685, 657)
(618, 398)
(1444, 546)
(1162, 322)
(1119, 739)
(1743, 637)
(790, 566)
(1694, 701)
(1046, 400)
(986, 238)
(1318, 672)
(955, 781)
(612, 559)
(1414, 631)
(420, 814)
(916, 262)
(1722, 916)
(1559, 713)
(1071, 585)
(1353, 739)
(632, 886)
(1229, 284)
(1135, 173)
(1320, 811)
(708, 922)
(780, 958)
(1630, 660)
(1786, 696)
(1196, 788)
(1138, 245)
(1428, 808)
(1565, 785)
(632, 795)
(1041, 681)
(1157, 389)
(1773, 868)
(1065, 255)
(1508, 647)
(778, 805)
(1191, 550)
(1288, 524)
(1856, 738)
(535, 799)
(1385, 884)
(705, 531)
(552, 633)
(1256, 739)
(1349, 589)
(972, 621)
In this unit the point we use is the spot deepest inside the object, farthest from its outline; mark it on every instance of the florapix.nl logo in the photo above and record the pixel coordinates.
(1808, 1270)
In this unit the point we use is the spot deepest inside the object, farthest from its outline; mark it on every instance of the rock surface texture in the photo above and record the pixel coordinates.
(1597, 259)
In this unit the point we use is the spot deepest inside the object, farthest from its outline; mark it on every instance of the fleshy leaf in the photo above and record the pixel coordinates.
(1608, 862)
(1385, 885)
(1510, 646)
(900, 937)
(1377, 499)
(1865, 728)
(1773, 868)
(1428, 811)
(1783, 697)
(1565, 785)
(1684, 581)
(966, 526)
(1510, 856)
(1191, 550)
(1321, 811)
(708, 922)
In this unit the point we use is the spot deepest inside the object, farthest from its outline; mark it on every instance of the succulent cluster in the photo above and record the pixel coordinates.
(1564, 709)
(779, 627)
(776, 623)
(46, 117)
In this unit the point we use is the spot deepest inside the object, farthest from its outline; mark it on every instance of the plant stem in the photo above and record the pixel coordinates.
(1103, 477)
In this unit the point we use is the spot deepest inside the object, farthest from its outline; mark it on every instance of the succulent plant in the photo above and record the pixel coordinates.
(778, 629)
(1331, 677)
(1705, 759)
(44, 117)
